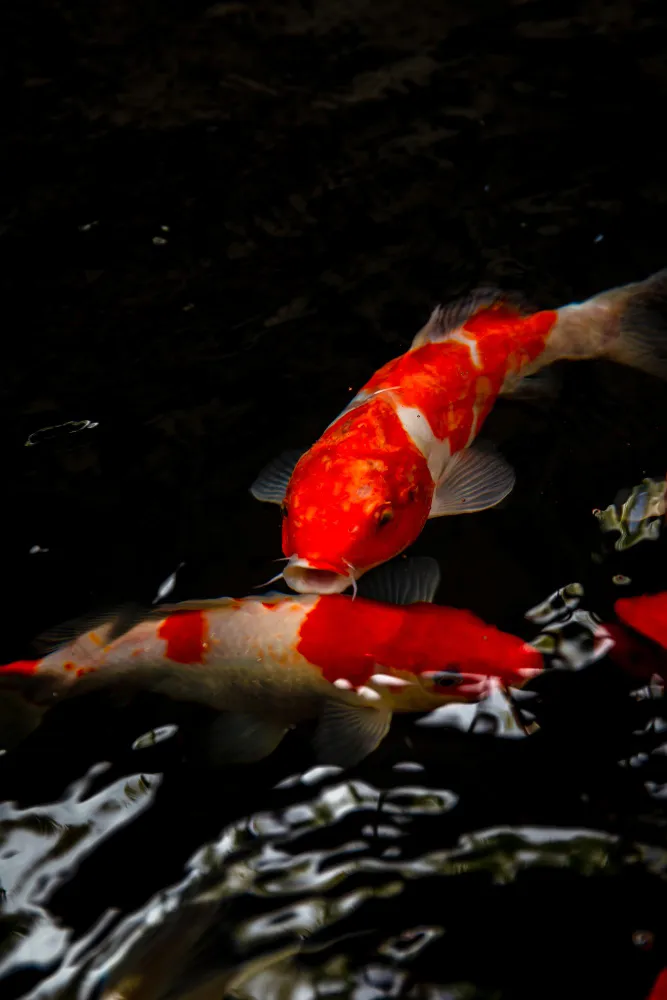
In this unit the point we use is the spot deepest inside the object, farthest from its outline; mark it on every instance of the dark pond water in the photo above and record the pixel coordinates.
(217, 221)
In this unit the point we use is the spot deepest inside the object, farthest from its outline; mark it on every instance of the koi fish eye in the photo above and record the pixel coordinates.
(384, 516)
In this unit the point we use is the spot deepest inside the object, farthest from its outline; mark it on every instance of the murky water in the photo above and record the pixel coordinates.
(218, 221)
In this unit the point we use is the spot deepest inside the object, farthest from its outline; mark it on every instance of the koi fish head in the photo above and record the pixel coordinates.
(344, 514)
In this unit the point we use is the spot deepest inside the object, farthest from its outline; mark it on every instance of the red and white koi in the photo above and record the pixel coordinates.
(646, 614)
(271, 662)
(402, 450)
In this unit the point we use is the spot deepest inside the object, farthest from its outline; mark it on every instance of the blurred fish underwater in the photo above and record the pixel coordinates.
(218, 221)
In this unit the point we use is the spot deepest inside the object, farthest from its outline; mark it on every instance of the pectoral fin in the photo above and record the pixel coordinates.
(545, 384)
(474, 479)
(271, 484)
(237, 738)
(402, 581)
(348, 733)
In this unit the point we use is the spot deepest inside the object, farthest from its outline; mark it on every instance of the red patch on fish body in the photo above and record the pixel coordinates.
(441, 379)
(353, 639)
(646, 614)
(659, 991)
(20, 667)
(501, 331)
(438, 381)
(634, 655)
(436, 638)
(344, 637)
(184, 634)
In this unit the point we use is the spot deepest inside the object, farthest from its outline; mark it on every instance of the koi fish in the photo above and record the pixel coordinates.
(573, 638)
(659, 990)
(269, 662)
(646, 614)
(402, 450)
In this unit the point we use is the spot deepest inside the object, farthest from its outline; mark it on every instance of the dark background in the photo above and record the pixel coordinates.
(328, 171)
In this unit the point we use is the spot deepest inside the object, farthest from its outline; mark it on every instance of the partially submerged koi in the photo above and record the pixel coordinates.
(659, 990)
(646, 614)
(273, 661)
(402, 450)
(573, 638)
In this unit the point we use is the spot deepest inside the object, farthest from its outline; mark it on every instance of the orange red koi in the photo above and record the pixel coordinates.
(403, 449)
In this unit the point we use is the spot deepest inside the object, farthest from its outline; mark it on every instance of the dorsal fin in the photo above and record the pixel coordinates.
(110, 624)
(215, 603)
(445, 320)
(201, 604)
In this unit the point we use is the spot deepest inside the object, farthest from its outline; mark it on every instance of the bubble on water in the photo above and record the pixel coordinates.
(621, 580)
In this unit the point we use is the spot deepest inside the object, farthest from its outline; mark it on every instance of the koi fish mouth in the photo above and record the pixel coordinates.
(307, 578)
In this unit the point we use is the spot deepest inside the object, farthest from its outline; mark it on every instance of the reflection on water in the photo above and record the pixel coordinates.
(637, 518)
(300, 895)
(41, 848)
(343, 887)
(268, 911)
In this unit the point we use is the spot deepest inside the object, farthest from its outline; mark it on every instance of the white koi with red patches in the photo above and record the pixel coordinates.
(285, 658)
(271, 662)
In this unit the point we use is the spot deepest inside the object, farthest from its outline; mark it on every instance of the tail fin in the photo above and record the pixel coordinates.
(626, 324)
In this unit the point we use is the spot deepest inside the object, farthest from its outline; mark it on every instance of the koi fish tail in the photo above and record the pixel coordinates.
(626, 324)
